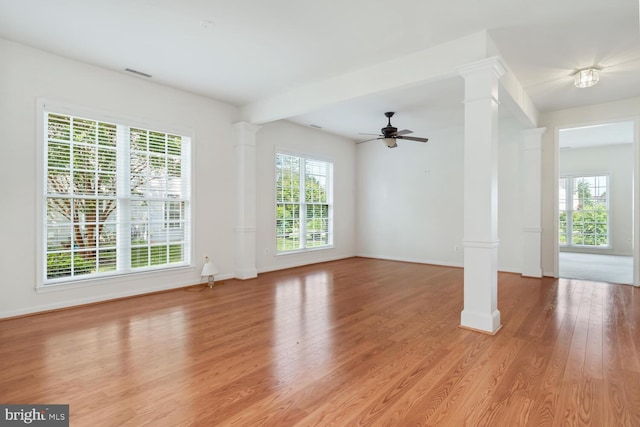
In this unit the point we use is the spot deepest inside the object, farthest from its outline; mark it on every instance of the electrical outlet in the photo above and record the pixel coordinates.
(456, 248)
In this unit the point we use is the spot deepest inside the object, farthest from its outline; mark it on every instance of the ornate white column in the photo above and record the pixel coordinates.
(245, 224)
(481, 195)
(531, 202)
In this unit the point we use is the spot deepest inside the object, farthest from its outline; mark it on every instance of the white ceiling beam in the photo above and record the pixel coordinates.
(512, 95)
(428, 65)
(514, 98)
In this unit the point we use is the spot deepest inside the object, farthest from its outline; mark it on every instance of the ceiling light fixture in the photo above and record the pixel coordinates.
(586, 77)
(390, 142)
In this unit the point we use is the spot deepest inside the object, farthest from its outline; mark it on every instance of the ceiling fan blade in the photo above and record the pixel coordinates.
(367, 140)
(414, 138)
(403, 132)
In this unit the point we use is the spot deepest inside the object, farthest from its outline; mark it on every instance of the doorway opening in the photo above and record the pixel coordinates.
(595, 202)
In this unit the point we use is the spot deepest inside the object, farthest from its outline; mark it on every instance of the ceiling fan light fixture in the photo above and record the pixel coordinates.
(586, 77)
(390, 135)
(390, 142)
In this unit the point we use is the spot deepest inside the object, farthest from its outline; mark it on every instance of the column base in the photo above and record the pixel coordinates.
(245, 253)
(531, 254)
(481, 322)
(246, 274)
(536, 274)
(466, 328)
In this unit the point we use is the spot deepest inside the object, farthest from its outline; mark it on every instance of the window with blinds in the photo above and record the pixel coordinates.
(303, 203)
(116, 200)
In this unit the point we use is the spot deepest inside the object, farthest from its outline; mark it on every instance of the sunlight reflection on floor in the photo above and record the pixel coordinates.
(301, 327)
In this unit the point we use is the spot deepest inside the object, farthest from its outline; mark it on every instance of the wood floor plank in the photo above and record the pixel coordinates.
(546, 403)
(490, 370)
(352, 342)
(620, 384)
(593, 353)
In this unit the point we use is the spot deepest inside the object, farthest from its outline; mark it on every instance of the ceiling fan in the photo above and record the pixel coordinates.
(390, 134)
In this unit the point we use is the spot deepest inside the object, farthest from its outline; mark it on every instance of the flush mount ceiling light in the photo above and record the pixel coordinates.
(586, 77)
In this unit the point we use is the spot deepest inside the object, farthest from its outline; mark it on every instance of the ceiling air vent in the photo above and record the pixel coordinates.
(139, 73)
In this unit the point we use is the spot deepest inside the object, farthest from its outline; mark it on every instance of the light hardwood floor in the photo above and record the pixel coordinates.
(351, 342)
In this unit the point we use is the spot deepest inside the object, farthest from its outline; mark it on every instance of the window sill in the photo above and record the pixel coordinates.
(585, 248)
(304, 251)
(110, 279)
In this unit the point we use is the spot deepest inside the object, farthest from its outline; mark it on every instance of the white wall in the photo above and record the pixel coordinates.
(617, 162)
(410, 204)
(27, 74)
(410, 199)
(294, 138)
(553, 121)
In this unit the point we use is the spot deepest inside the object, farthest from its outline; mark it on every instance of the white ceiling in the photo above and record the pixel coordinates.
(596, 135)
(244, 51)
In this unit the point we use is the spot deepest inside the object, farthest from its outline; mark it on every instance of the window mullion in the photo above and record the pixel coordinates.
(123, 180)
(569, 205)
(185, 168)
(303, 206)
(72, 195)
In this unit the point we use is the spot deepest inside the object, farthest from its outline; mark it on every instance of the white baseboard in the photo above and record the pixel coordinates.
(414, 260)
(295, 264)
(99, 299)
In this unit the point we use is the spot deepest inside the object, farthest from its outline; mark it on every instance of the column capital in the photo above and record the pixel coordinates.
(245, 133)
(246, 126)
(494, 64)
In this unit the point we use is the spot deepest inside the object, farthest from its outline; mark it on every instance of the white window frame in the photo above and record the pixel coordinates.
(43, 107)
(569, 190)
(303, 247)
